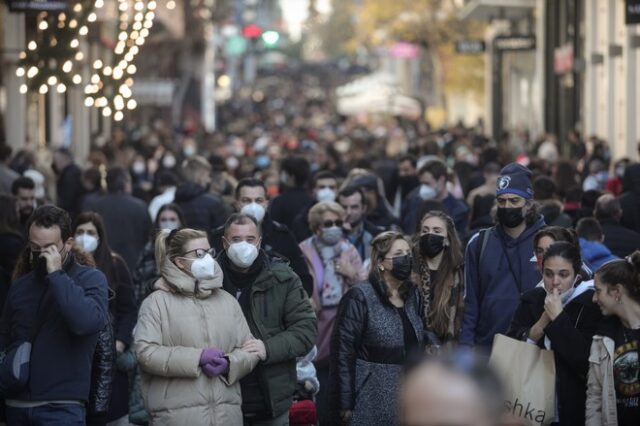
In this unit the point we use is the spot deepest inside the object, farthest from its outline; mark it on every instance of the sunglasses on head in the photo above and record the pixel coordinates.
(330, 223)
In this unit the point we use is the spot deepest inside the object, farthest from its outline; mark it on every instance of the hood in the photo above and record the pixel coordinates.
(175, 280)
(592, 250)
(631, 179)
(188, 191)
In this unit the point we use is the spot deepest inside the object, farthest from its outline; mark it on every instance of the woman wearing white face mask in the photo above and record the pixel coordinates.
(90, 237)
(335, 266)
(561, 316)
(189, 337)
(169, 217)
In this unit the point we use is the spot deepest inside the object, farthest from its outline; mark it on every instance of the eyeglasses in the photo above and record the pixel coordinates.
(330, 223)
(200, 252)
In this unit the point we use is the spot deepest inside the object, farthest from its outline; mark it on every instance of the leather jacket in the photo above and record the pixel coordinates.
(102, 372)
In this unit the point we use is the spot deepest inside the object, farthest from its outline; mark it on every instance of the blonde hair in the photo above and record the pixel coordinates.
(319, 209)
(194, 167)
(170, 244)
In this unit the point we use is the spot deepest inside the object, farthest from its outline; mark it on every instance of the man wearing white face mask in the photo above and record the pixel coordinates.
(279, 315)
(325, 188)
(277, 240)
(433, 186)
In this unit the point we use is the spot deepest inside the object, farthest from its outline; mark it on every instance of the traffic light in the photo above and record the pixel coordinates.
(252, 31)
(270, 38)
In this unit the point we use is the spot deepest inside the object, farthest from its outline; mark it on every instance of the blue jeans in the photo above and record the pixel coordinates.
(47, 415)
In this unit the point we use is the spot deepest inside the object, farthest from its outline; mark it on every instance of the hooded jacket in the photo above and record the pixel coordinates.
(569, 336)
(493, 288)
(202, 210)
(176, 323)
(595, 253)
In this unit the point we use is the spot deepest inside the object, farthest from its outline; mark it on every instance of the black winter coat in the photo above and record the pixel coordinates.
(70, 190)
(202, 210)
(368, 353)
(630, 198)
(127, 222)
(278, 241)
(102, 371)
(287, 205)
(570, 335)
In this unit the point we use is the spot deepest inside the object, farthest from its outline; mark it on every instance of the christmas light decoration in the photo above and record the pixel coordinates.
(54, 55)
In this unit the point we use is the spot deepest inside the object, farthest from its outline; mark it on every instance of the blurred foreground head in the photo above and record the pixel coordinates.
(453, 391)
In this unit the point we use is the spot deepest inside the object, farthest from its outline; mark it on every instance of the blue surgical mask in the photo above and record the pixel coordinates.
(331, 235)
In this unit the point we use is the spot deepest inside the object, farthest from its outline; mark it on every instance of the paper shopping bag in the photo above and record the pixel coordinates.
(528, 374)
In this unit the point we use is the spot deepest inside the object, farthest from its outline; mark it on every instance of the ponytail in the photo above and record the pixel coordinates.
(170, 244)
(625, 272)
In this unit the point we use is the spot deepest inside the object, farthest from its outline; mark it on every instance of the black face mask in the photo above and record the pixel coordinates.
(510, 217)
(39, 265)
(431, 245)
(401, 267)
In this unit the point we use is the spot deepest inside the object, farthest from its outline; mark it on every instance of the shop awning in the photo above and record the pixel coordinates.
(486, 10)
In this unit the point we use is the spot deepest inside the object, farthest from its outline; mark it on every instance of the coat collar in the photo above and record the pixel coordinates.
(174, 280)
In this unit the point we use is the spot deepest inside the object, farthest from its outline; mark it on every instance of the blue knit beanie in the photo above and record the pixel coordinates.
(515, 179)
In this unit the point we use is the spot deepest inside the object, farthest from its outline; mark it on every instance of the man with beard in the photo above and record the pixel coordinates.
(498, 267)
(24, 189)
(61, 307)
(360, 232)
(279, 315)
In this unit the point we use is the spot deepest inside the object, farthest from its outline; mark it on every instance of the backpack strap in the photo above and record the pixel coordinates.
(483, 237)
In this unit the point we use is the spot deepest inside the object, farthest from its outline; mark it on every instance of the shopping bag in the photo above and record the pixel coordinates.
(528, 374)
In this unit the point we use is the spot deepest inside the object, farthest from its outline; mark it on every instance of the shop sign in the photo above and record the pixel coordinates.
(470, 46)
(37, 5)
(563, 59)
(632, 12)
(514, 43)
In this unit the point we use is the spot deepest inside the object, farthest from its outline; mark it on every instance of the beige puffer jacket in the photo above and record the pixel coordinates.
(176, 322)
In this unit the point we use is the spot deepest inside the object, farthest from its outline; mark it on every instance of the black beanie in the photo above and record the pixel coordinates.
(515, 179)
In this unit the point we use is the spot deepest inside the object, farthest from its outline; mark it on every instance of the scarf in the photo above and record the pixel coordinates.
(333, 283)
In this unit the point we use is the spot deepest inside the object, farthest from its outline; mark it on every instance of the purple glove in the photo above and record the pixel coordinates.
(210, 354)
(216, 367)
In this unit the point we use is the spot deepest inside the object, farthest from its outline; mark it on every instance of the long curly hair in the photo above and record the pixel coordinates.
(437, 312)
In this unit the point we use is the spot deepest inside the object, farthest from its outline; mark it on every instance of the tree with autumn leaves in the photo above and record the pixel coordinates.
(431, 24)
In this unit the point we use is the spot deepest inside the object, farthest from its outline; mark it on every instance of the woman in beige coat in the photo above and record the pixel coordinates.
(189, 338)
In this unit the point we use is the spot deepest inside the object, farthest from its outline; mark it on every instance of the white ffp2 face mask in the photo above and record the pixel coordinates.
(326, 194)
(87, 243)
(254, 210)
(203, 269)
(242, 254)
(426, 192)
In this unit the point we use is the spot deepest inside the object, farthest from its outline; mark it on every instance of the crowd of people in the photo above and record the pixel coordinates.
(297, 267)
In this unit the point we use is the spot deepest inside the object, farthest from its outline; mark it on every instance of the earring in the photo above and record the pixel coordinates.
(619, 300)
(381, 268)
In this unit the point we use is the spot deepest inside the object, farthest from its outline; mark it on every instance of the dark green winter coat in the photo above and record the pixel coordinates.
(279, 314)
